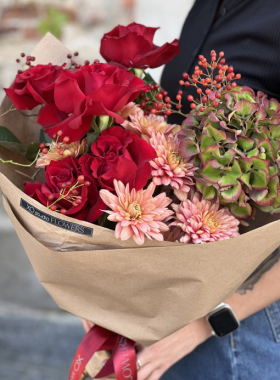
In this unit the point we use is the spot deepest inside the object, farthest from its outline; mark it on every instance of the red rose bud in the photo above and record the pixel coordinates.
(133, 46)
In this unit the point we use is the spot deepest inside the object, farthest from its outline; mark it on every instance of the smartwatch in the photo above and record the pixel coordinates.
(222, 320)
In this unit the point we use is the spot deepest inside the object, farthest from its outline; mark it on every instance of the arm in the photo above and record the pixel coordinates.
(157, 358)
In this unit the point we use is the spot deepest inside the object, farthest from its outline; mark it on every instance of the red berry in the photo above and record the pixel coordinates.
(59, 133)
(61, 152)
(69, 56)
(53, 207)
(18, 60)
(66, 139)
(54, 137)
(229, 87)
(205, 65)
(44, 151)
(42, 146)
(238, 76)
(167, 99)
(201, 109)
(186, 76)
(86, 62)
(221, 54)
(204, 99)
(76, 54)
(193, 105)
(190, 98)
(218, 86)
(207, 92)
(215, 103)
(230, 69)
(168, 112)
(154, 111)
(19, 71)
(63, 211)
(214, 64)
(178, 97)
(195, 80)
(181, 82)
(179, 106)
(143, 105)
(87, 183)
(218, 95)
(199, 90)
(180, 92)
(22, 55)
(201, 57)
(69, 183)
(81, 179)
(234, 84)
(187, 84)
(51, 197)
(147, 99)
(96, 61)
(75, 204)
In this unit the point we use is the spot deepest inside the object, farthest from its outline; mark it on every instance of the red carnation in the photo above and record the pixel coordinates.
(119, 154)
(59, 173)
(93, 90)
(34, 86)
(133, 46)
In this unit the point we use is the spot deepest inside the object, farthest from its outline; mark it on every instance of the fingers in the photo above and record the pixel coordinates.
(87, 325)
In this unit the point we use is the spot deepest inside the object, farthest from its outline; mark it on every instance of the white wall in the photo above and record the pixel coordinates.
(169, 15)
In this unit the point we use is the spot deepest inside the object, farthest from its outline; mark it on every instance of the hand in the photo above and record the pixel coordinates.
(158, 358)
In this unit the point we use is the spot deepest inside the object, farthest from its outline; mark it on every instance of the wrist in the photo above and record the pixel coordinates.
(203, 330)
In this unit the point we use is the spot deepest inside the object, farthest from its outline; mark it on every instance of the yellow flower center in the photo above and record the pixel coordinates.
(134, 210)
(211, 222)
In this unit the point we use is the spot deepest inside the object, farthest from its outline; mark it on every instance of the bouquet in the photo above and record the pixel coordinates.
(119, 202)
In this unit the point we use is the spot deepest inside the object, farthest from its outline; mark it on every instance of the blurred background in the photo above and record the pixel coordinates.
(37, 339)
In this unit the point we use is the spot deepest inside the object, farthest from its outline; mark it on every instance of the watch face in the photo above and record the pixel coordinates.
(223, 322)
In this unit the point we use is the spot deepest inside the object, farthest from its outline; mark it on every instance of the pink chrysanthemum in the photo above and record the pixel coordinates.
(130, 109)
(170, 168)
(202, 221)
(145, 126)
(138, 214)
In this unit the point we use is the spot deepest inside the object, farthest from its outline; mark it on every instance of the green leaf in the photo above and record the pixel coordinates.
(245, 108)
(245, 143)
(260, 179)
(206, 142)
(245, 164)
(258, 196)
(32, 151)
(259, 163)
(233, 193)
(211, 174)
(267, 146)
(209, 153)
(91, 137)
(9, 141)
(253, 152)
(209, 192)
(148, 79)
(6, 135)
(241, 212)
(245, 178)
(230, 178)
(43, 137)
(216, 134)
(273, 170)
(188, 148)
(275, 131)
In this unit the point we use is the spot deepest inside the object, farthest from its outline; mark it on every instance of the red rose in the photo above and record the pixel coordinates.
(119, 154)
(92, 90)
(59, 173)
(133, 46)
(34, 86)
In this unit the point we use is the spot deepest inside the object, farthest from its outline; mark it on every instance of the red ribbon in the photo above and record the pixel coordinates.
(122, 361)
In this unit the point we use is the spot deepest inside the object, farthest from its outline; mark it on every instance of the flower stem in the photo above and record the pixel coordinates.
(16, 163)
(10, 109)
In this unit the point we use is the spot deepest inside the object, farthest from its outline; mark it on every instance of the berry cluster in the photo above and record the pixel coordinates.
(55, 143)
(218, 84)
(28, 61)
(70, 193)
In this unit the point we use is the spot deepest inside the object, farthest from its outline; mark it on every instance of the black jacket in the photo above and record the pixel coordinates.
(248, 31)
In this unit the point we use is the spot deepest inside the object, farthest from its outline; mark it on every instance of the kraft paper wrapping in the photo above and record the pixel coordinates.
(143, 292)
